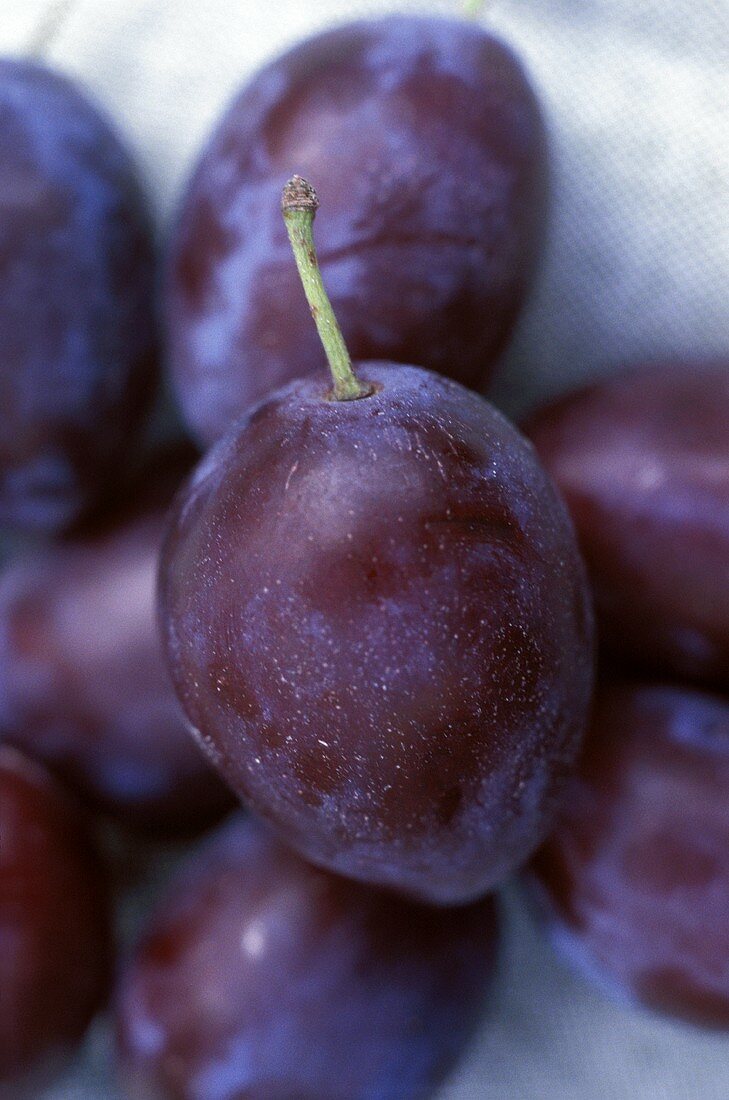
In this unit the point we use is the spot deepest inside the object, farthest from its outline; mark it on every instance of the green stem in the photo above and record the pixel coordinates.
(473, 9)
(299, 205)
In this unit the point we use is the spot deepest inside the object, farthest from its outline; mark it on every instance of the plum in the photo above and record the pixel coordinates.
(377, 621)
(635, 879)
(83, 684)
(642, 459)
(77, 317)
(430, 146)
(55, 931)
(261, 976)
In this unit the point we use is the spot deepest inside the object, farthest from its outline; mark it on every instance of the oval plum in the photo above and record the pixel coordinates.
(377, 620)
(635, 878)
(83, 684)
(77, 324)
(427, 145)
(263, 977)
(55, 929)
(642, 459)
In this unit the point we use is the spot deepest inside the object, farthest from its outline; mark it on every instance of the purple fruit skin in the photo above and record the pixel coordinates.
(642, 459)
(263, 977)
(55, 926)
(77, 325)
(635, 879)
(426, 145)
(377, 620)
(83, 683)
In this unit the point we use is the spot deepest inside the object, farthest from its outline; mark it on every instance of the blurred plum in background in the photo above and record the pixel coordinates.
(55, 926)
(635, 879)
(426, 144)
(642, 459)
(83, 685)
(261, 976)
(77, 324)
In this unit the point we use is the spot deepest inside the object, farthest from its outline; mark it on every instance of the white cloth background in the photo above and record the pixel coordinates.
(637, 97)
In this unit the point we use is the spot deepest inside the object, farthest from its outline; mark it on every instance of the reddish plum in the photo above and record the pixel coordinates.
(635, 878)
(76, 301)
(263, 977)
(55, 937)
(642, 459)
(83, 685)
(377, 621)
(429, 143)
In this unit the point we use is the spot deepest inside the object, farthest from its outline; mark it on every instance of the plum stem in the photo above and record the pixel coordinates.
(48, 28)
(299, 204)
(474, 9)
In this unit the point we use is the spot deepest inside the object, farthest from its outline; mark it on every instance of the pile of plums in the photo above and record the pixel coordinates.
(364, 614)
(634, 881)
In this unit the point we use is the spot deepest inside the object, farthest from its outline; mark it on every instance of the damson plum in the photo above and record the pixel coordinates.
(430, 147)
(635, 879)
(76, 301)
(83, 685)
(55, 959)
(643, 461)
(377, 620)
(263, 977)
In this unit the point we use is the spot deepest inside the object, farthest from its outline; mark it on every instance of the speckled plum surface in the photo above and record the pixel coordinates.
(425, 142)
(377, 620)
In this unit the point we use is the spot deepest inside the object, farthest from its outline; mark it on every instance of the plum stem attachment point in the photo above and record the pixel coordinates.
(299, 204)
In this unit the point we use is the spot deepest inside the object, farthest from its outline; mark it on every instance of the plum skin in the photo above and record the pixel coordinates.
(77, 303)
(642, 460)
(634, 881)
(55, 928)
(377, 621)
(83, 682)
(426, 145)
(262, 976)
